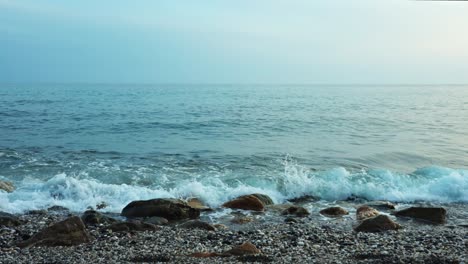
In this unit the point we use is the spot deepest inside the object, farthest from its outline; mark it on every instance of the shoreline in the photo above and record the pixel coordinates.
(279, 238)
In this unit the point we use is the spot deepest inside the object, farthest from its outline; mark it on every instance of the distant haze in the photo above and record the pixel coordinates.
(242, 41)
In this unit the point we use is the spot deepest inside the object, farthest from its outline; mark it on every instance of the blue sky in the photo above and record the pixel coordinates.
(242, 41)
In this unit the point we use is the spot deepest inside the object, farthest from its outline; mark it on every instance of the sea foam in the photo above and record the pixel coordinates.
(435, 184)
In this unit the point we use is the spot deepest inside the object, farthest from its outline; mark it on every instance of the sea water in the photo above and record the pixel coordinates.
(78, 145)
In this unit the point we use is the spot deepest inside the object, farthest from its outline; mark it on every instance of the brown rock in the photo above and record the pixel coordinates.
(365, 211)
(296, 210)
(197, 224)
(171, 209)
(266, 200)
(197, 204)
(435, 215)
(156, 220)
(7, 186)
(378, 223)
(246, 248)
(69, 232)
(334, 211)
(246, 202)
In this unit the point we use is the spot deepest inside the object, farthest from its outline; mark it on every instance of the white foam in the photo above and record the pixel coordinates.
(428, 184)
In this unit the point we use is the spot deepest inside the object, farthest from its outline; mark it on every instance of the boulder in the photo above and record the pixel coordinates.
(171, 209)
(92, 217)
(68, 232)
(7, 186)
(246, 248)
(265, 199)
(365, 211)
(132, 226)
(246, 202)
(156, 220)
(377, 223)
(197, 204)
(334, 211)
(197, 224)
(435, 215)
(296, 210)
(9, 220)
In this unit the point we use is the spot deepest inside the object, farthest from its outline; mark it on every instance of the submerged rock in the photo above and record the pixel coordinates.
(304, 199)
(7, 186)
(436, 215)
(197, 224)
(365, 212)
(378, 223)
(171, 209)
(9, 220)
(240, 220)
(246, 202)
(334, 211)
(92, 217)
(58, 208)
(68, 232)
(296, 210)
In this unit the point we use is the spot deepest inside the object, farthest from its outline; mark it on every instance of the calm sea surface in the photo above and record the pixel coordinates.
(73, 142)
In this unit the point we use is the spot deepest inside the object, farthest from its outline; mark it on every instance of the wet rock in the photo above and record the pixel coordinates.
(246, 248)
(7, 186)
(365, 211)
(197, 224)
(171, 209)
(68, 232)
(304, 199)
(265, 199)
(156, 220)
(378, 223)
(436, 215)
(197, 204)
(9, 220)
(334, 211)
(132, 226)
(296, 210)
(91, 217)
(290, 220)
(381, 205)
(101, 205)
(246, 202)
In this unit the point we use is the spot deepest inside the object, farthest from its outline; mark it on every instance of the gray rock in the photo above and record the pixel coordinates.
(171, 209)
(156, 220)
(91, 217)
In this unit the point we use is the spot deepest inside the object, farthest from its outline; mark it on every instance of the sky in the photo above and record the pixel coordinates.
(242, 41)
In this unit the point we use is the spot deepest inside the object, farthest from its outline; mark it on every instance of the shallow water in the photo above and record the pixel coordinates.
(77, 145)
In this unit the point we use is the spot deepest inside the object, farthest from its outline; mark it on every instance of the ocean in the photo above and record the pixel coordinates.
(77, 145)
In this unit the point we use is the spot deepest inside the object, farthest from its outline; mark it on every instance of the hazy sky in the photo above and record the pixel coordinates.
(242, 41)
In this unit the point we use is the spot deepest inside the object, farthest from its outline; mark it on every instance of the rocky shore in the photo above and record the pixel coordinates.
(246, 229)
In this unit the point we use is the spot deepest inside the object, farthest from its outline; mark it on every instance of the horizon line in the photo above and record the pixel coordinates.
(232, 83)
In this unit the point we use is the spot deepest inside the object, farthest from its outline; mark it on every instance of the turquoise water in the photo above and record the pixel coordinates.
(77, 145)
